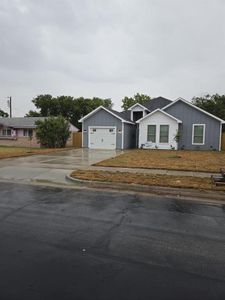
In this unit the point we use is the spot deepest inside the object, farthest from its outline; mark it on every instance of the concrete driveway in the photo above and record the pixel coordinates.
(51, 167)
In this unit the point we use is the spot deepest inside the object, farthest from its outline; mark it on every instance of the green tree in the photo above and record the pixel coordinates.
(53, 132)
(33, 113)
(3, 114)
(69, 107)
(214, 104)
(45, 104)
(137, 98)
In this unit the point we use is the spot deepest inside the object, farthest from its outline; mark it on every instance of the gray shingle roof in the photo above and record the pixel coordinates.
(124, 114)
(28, 122)
(151, 105)
(155, 103)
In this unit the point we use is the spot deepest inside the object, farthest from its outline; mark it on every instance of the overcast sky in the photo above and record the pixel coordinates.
(110, 49)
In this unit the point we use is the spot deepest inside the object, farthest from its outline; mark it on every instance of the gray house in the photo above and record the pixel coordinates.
(105, 128)
(158, 124)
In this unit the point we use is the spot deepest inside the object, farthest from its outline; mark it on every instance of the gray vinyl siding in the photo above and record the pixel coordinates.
(102, 118)
(189, 116)
(129, 136)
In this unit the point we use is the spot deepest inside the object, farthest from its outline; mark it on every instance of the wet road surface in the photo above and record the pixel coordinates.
(75, 244)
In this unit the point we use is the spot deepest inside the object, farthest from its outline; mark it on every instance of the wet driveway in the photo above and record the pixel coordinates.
(51, 167)
(81, 244)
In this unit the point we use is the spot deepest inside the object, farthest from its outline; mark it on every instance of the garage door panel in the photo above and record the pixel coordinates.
(102, 138)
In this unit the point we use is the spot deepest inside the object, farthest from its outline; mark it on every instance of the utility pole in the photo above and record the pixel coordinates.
(10, 106)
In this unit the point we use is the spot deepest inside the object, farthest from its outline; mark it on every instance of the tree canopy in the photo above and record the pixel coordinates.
(53, 132)
(214, 104)
(69, 107)
(3, 114)
(137, 98)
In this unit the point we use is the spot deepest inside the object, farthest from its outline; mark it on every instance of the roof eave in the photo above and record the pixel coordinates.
(163, 112)
(136, 104)
(128, 122)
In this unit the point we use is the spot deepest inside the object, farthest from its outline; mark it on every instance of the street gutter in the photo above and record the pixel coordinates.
(184, 193)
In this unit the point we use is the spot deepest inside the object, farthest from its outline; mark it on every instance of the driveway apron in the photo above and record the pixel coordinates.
(51, 167)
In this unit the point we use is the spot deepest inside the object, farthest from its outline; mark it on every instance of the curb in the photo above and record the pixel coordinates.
(188, 193)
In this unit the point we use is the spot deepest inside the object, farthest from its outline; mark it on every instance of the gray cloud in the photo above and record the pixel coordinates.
(110, 48)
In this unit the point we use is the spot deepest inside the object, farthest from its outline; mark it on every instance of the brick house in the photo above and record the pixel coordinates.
(16, 132)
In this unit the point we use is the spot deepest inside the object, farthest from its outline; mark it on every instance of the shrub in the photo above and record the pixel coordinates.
(53, 132)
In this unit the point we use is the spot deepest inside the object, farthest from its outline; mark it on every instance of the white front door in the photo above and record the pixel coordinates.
(102, 138)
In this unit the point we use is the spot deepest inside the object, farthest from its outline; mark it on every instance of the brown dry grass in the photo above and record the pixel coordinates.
(146, 179)
(201, 161)
(7, 152)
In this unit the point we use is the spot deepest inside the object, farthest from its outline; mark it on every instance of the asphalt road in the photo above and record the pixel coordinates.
(85, 244)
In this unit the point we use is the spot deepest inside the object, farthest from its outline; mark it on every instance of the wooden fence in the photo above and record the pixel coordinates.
(77, 139)
(223, 142)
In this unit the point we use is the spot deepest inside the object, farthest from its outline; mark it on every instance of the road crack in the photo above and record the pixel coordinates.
(105, 240)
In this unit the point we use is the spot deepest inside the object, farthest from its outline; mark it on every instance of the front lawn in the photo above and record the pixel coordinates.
(146, 179)
(201, 161)
(7, 152)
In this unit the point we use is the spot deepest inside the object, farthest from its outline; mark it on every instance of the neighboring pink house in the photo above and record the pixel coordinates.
(16, 132)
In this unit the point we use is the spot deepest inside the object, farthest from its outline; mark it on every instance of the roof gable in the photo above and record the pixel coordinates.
(161, 111)
(137, 104)
(195, 107)
(112, 112)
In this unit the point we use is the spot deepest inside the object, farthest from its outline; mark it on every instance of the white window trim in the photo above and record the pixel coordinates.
(193, 126)
(6, 130)
(155, 133)
(132, 114)
(168, 134)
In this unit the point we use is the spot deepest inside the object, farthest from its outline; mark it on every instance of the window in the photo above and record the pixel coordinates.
(198, 134)
(7, 132)
(137, 115)
(164, 134)
(27, 132)
(151, 135)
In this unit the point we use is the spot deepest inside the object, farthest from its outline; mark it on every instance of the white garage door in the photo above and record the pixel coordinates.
(102, 138)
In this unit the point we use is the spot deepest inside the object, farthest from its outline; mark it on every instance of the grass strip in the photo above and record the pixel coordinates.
(147, 179)
(197, 161)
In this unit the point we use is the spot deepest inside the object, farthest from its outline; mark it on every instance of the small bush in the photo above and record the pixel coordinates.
(53, 132)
